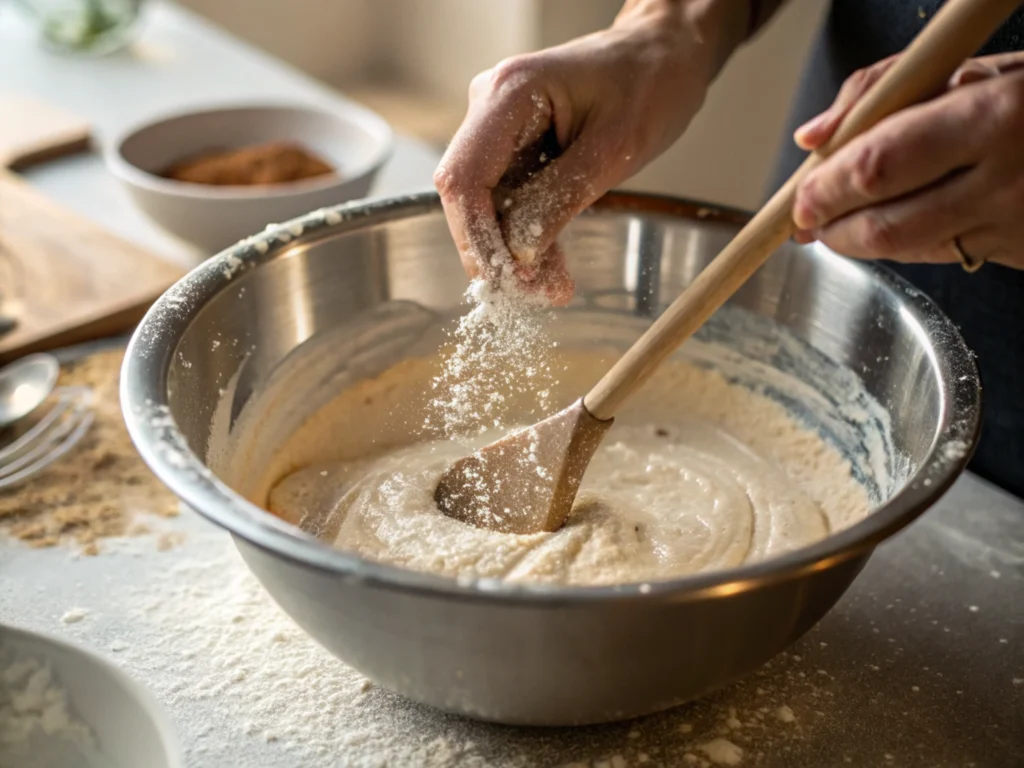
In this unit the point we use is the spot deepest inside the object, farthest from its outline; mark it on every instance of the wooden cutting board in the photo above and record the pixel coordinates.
(63, 278)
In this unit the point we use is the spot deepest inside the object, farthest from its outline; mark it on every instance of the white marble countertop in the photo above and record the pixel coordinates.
(920, 664)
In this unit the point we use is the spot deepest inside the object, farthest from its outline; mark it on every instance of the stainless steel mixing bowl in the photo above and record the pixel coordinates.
(532, 654)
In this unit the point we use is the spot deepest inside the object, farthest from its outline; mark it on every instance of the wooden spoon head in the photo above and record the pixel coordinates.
(527, 481)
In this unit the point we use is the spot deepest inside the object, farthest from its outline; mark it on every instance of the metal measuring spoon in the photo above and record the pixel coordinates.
(25, 384)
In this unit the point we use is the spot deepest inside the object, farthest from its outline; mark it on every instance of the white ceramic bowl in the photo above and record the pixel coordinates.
(356, 141)
(130, 728)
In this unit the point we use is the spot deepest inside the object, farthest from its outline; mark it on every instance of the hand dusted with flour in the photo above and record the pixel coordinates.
(593, 112)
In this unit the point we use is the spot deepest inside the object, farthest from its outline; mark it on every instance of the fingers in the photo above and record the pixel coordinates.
(981, 246)
(1003, 62)
(819, 130)
(815, 132)
(972, 71)
(918, 227)
(541, 208)
(911, 149)
(553, 277)
(505, 114)
(945, 169)
(986, 244)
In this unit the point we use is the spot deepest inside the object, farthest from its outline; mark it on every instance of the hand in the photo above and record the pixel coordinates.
(949, 169)
(609, 103)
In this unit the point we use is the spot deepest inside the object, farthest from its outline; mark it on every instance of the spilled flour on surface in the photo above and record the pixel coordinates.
(239, 678)
(38, 728)
(248, 689)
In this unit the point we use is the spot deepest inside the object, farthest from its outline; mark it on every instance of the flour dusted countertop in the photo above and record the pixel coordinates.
(921, 664)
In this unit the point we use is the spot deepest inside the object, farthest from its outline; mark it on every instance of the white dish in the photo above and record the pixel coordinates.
(129, 727)
(354, 140)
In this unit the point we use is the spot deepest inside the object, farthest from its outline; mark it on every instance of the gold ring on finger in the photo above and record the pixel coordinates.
(968, 262)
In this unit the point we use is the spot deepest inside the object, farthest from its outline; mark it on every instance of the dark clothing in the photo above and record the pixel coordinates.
(987, 306)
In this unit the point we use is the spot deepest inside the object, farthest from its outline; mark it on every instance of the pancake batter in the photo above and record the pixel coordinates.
(701, 475)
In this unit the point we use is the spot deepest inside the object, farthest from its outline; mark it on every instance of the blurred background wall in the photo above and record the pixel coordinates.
(412, 61)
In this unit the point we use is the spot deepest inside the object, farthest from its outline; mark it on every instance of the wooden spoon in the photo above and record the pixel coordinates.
(527, 481)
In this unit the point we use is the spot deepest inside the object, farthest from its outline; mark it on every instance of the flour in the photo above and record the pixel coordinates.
(500, 351)
(37, 726)
(785, 714)
(240, 667)
(722, 752)
(74, 615)
(247, 688)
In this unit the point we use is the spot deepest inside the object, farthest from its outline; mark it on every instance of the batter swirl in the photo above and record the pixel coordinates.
(655, 503)
(701, 475)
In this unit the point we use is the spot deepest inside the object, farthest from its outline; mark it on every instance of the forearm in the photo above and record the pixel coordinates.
(721, 25)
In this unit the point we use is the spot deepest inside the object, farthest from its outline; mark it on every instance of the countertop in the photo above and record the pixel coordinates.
(920, 664)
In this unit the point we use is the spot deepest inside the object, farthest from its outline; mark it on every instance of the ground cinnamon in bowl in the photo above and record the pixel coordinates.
(277, 162)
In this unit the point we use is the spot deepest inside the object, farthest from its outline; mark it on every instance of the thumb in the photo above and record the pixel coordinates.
(815, 132)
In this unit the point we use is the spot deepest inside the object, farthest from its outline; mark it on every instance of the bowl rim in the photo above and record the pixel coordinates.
(146, 700)
(339, 110)
(145, 406)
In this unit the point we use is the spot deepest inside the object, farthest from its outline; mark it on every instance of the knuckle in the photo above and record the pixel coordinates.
(996, 113)
(988, 106)
(860, 80)
(861, 76)
(808, 194)
(1006, 107)
(878, 236)
(997, 110)
(868, 169)
(445, 181)
(511, 72)
(479, 83)
(857, 81)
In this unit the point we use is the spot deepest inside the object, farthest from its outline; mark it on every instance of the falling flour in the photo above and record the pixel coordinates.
(500, 352)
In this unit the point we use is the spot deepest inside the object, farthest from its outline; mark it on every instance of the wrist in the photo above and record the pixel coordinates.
(709, 30)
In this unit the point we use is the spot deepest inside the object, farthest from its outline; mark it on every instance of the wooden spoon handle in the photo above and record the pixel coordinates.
(955, 33)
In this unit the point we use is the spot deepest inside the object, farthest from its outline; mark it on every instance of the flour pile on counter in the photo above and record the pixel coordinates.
(698, 474)
(37, 727)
